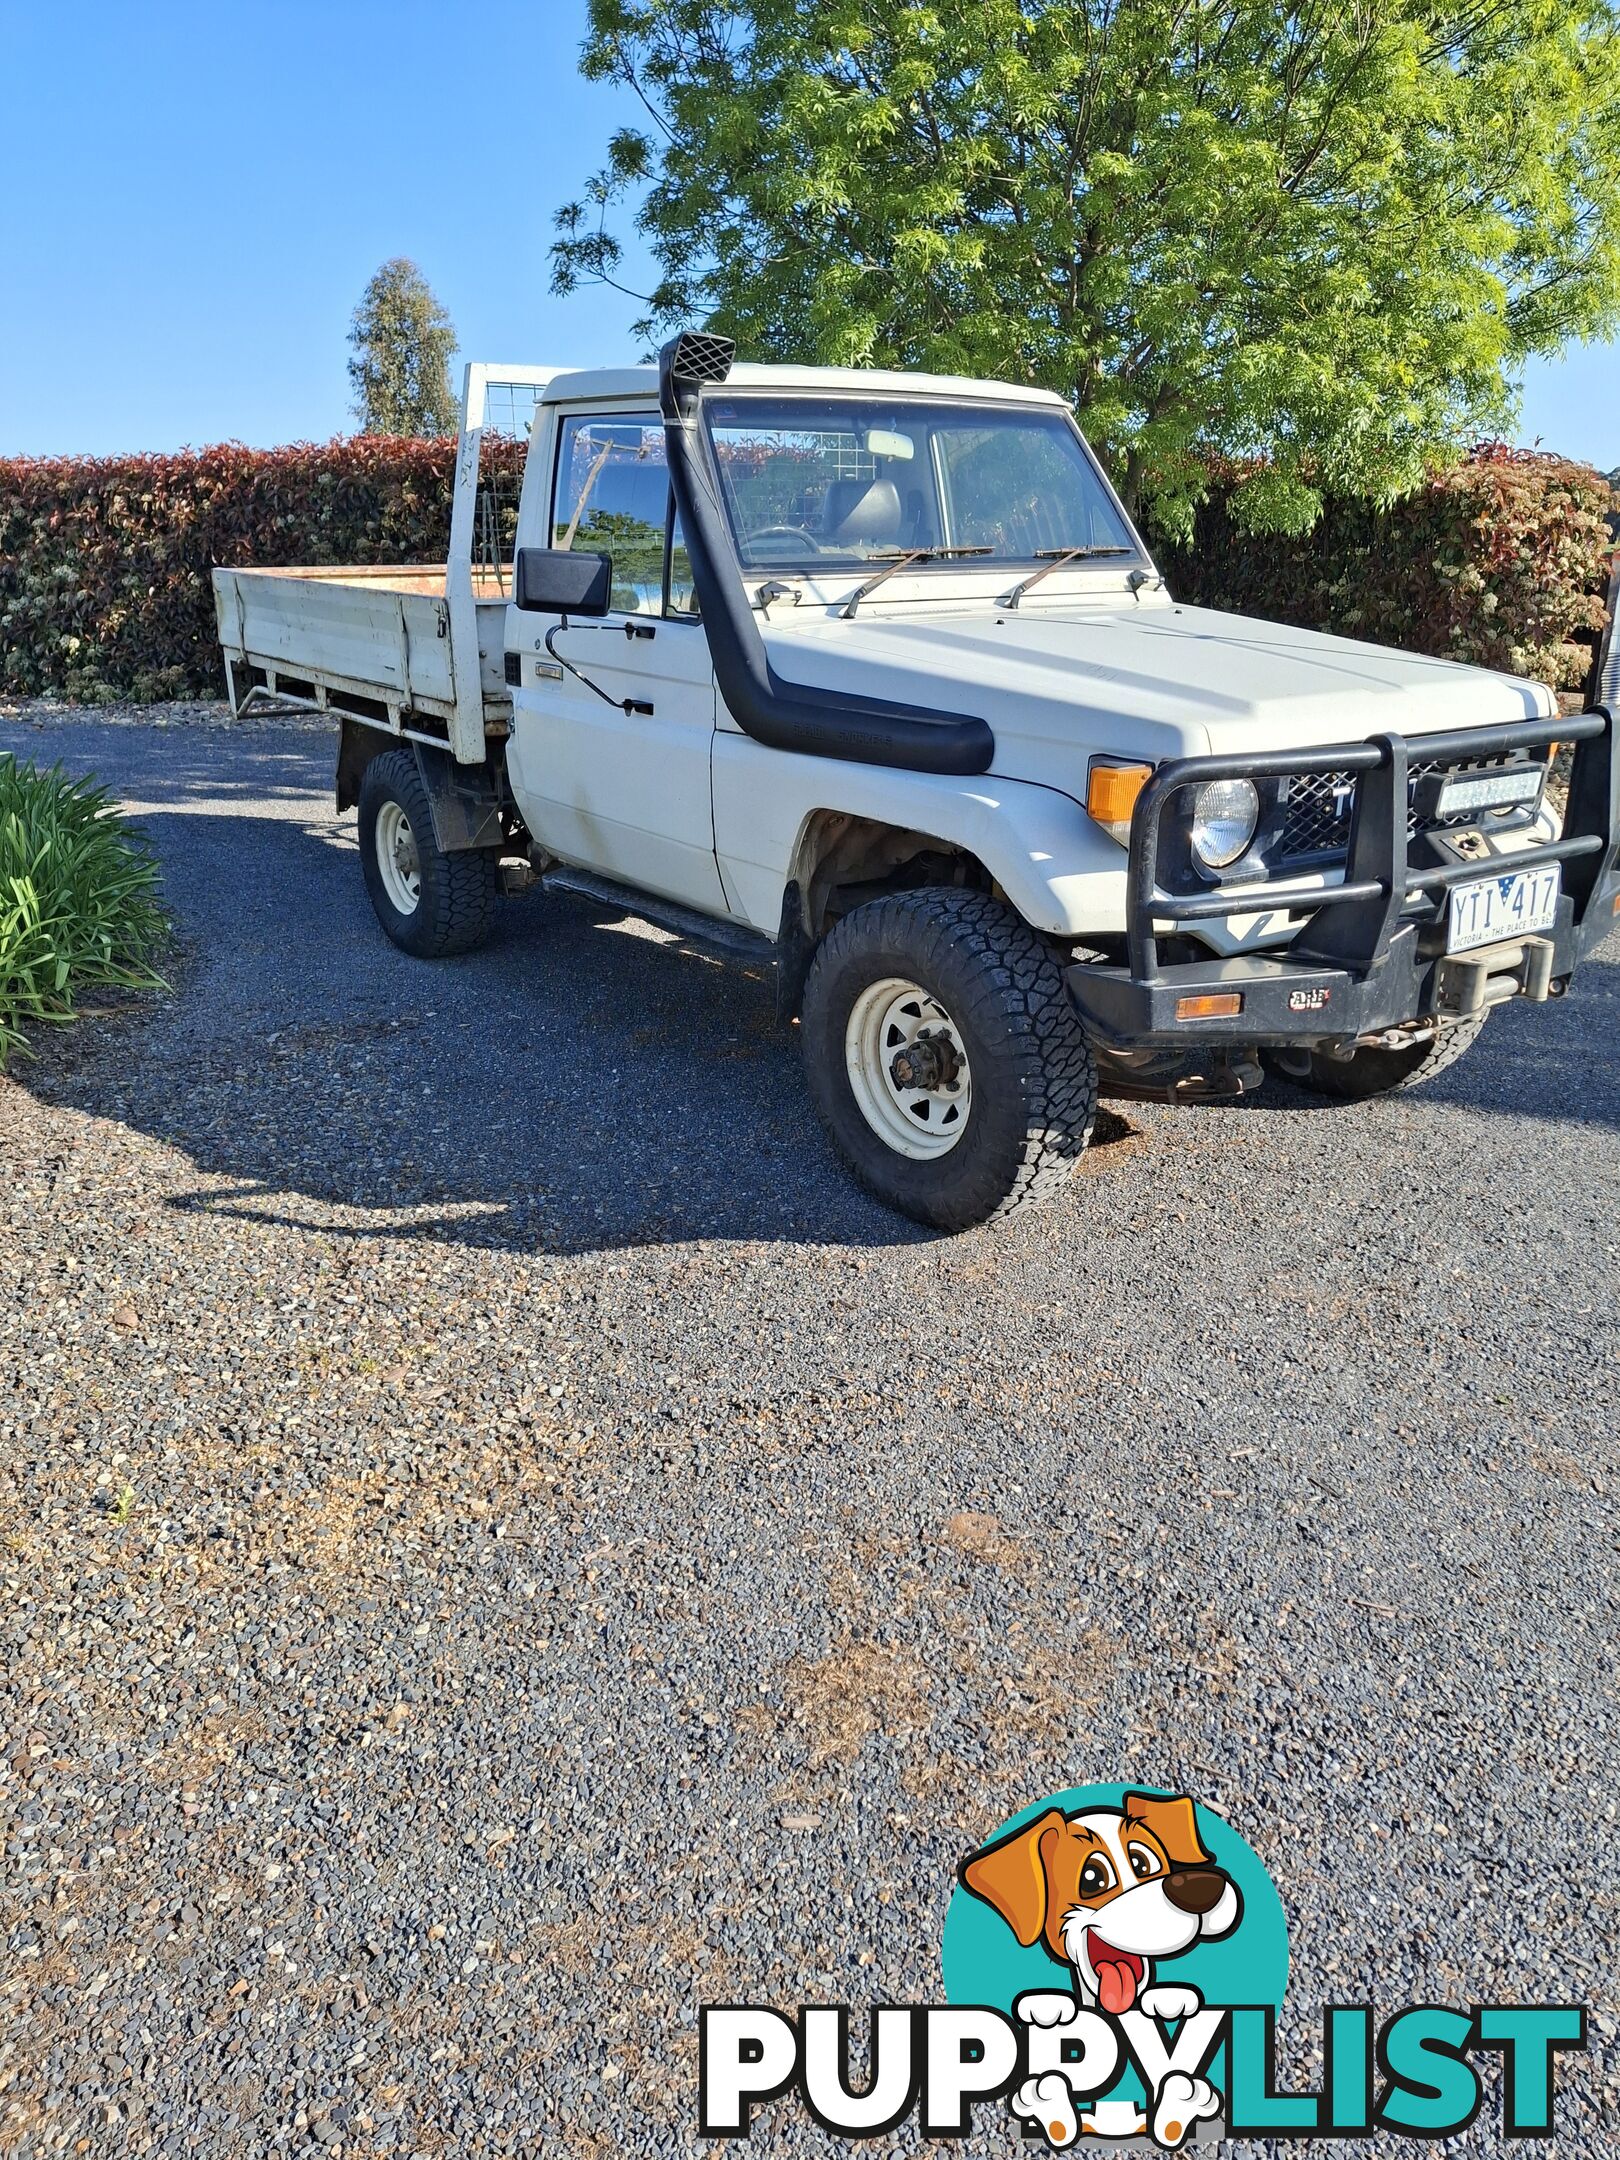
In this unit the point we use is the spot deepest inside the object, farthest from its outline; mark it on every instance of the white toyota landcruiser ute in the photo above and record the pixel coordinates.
(870, 676)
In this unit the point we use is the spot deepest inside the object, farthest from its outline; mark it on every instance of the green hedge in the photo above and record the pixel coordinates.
(104, 562)
(1503, 561)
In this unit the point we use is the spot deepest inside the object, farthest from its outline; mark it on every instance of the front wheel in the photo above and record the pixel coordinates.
(431, 903)
(1378, 1068)
(945, 1058)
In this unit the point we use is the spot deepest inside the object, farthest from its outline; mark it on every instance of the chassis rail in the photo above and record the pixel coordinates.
(1369, 957)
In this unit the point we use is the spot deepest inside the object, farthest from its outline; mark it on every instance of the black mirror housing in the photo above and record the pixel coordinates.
(563, 581)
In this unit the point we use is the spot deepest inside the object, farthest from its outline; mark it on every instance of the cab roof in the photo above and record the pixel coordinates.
(597, 385)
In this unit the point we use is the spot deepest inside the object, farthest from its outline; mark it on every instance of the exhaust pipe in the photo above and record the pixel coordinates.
(784, 715)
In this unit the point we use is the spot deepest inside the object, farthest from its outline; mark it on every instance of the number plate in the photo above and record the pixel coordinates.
(1499, 908)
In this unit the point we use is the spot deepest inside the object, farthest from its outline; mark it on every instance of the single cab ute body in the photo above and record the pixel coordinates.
(870, 676)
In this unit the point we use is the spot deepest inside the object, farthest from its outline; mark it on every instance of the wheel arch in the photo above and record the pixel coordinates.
(773, 809)
(466, 801)
(840, 852)
(1037, 848)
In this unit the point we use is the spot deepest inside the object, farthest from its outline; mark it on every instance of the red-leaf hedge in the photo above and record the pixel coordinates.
(1503, 560)
(104, 562)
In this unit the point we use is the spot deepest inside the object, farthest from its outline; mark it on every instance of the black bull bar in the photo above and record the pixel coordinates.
(1371, 955)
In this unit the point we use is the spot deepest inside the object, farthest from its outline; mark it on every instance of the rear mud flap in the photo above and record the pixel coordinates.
(466, 808)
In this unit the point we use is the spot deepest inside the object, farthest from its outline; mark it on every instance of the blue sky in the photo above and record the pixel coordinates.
(192, 197)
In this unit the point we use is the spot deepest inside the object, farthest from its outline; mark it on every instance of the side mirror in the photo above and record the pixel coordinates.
(561, 581)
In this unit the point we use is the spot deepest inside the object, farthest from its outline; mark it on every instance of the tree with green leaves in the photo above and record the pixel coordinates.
(1318, 240)
(402, 341)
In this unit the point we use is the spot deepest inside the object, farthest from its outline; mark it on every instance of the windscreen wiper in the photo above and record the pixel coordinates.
(903, 561)
(1051, 559)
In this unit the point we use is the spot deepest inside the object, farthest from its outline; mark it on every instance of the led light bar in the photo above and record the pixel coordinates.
(1490, 791)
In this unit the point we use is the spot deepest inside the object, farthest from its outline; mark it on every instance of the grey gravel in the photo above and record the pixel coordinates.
(502, 1543)
(212, 714)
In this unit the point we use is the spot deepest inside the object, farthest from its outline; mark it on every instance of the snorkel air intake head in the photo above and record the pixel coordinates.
(688, 362)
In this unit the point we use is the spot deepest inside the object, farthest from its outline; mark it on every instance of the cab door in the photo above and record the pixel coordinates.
(624, 793)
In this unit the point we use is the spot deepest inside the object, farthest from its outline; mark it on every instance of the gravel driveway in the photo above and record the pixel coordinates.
(502, 1543)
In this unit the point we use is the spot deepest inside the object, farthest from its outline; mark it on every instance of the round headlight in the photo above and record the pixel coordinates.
(1225, 814)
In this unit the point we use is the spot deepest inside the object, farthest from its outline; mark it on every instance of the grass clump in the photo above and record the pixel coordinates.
(78, 898)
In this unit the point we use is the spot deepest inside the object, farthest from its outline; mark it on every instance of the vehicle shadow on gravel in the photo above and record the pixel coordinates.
(583, 1083)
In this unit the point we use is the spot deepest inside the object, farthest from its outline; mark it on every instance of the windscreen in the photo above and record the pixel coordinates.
(815, 483)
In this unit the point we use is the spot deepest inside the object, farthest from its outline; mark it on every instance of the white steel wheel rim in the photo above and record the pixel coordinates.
(397, 858)
(898, 1020)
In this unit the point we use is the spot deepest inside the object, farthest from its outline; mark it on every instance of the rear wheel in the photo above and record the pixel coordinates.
(1378, 1068)
(430, 903)
(945, 1058)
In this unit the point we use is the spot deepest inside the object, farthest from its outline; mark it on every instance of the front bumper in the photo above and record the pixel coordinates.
(1372, 954)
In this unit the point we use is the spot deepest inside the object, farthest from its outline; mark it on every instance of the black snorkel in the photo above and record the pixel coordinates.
(784, 715)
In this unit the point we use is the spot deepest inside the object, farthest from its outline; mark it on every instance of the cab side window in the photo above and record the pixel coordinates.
(680, 593)
(612, 494)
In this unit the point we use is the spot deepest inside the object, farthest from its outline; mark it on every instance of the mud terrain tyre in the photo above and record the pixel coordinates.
(1375, 1071)
(430, 903)
(945, 1057)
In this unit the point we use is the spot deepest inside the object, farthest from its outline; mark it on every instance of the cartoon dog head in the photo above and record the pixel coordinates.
(1108, 1891)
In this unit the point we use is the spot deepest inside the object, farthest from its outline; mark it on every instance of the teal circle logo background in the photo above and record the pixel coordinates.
(982, 1961)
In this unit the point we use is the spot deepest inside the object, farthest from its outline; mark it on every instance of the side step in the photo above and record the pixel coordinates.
(730, 941)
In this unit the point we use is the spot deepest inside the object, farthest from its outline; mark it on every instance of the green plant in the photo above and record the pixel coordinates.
(402, 341)
(1319, 237)
(122, 1504)
(78, 897)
